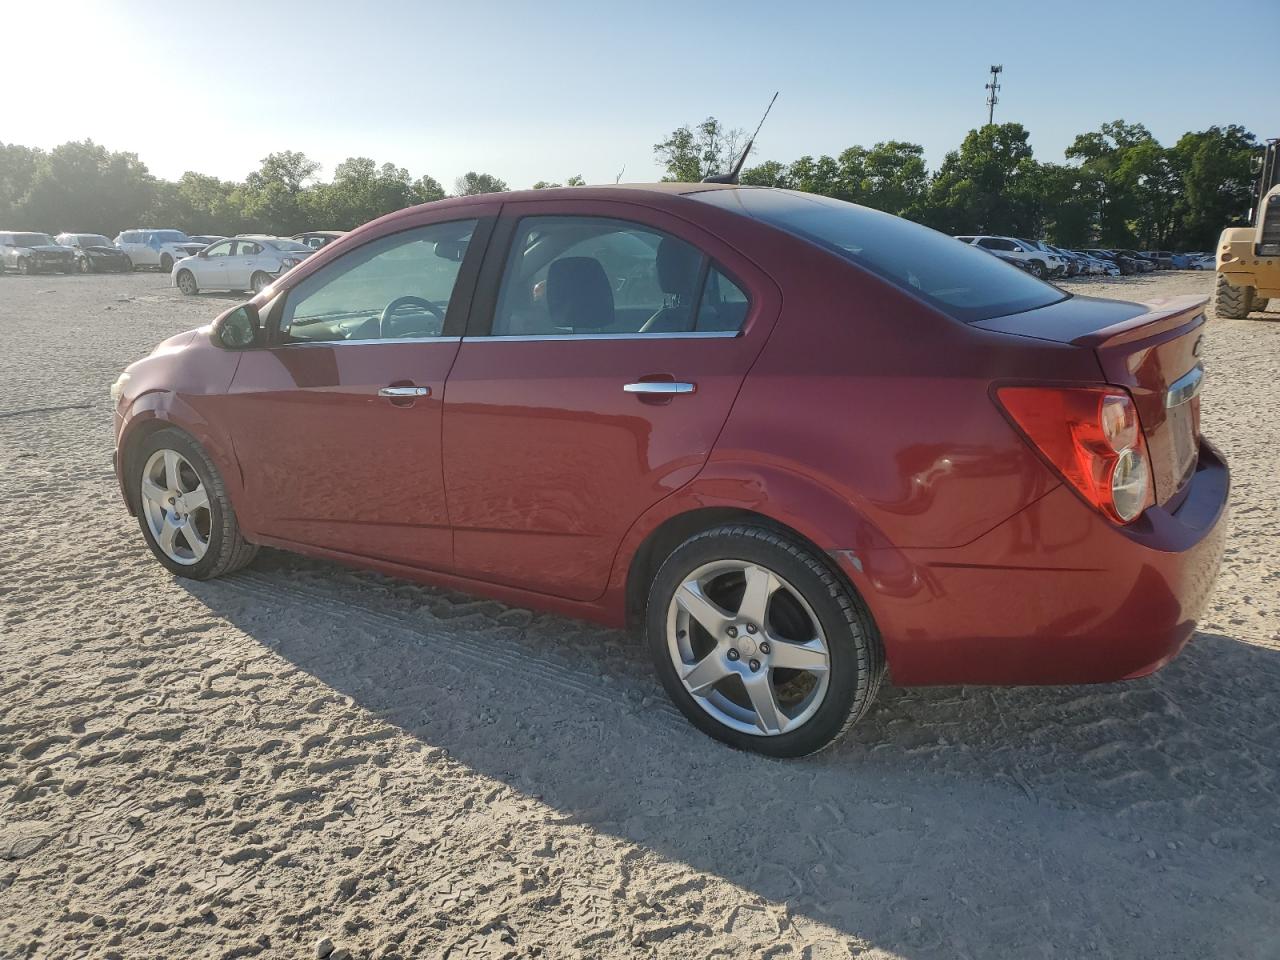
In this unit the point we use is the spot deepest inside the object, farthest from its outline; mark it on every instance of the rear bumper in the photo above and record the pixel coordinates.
(1054, 595)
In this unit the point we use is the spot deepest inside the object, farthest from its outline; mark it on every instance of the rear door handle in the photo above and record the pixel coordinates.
(404, 392)
(665, 387)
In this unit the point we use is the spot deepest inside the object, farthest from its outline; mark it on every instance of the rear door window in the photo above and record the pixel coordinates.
(598, 276)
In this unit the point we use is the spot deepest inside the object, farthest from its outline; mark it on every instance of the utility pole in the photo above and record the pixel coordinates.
(993, 97)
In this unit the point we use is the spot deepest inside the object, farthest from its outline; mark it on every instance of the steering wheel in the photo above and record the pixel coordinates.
(389, 311)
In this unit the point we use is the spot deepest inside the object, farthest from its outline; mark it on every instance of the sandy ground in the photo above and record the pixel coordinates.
(240, 768)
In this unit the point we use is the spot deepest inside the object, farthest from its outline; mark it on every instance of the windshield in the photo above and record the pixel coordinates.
(93, 240)
(962, 281)
(288, 245)
(32, 240)
(170, 236)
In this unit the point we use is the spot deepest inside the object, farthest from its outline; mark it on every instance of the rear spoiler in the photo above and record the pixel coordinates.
(1164, 314)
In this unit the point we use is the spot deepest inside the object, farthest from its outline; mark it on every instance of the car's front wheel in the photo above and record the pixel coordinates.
(760, 643)
(84, 265)
(183, 508)
(1037, 269)
(166, 263)
(187, 283)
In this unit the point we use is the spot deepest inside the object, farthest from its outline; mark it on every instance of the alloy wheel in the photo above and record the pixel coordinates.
(176, 507)
(748, 648)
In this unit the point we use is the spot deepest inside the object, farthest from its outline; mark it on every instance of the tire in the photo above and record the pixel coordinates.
(1231, 302)
(24, 267)
(225, 549)
(813, 708)
(259, 282)
(166, 263)
(187, 283)
(127, 266)
(84, 265)
(1037, 269)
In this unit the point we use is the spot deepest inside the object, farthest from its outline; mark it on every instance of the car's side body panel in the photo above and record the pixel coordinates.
(548, 461)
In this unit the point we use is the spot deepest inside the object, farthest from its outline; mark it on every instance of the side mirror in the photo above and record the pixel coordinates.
(238, 329)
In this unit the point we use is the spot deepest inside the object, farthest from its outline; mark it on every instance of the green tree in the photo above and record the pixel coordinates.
(82, 186)
(472, 183)
(427, 189)
(1216, 168)
(690, 154)
(17, 171)
(1114, 160)
(987, 186)
(771, 173)
(273, 194)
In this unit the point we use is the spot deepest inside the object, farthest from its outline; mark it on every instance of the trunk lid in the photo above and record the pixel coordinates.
(1153, 351)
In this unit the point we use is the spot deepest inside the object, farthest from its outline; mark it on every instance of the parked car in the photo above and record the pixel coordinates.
(796, 440)
(1126, 265)
(1202, 261)
(249, 262)
(1037, 262)
(1099, 265)
(1163, 259)
(206, 239)
(1057, 265)
(29, 252)
(1180, 261)
(94, 253)
(315, 239)
(157, 248)
(1077, 265)
(1145, 264)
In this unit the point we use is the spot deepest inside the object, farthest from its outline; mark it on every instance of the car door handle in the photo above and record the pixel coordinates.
(665, 387)
(401, 392)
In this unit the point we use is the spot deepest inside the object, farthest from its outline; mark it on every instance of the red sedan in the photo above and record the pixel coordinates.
(797, 441)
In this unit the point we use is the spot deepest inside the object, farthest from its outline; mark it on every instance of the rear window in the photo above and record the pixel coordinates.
(962, 281)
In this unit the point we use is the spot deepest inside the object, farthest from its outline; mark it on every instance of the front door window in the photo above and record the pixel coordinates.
(399, 287)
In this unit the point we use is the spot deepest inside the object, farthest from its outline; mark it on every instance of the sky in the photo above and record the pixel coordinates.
(545, 91)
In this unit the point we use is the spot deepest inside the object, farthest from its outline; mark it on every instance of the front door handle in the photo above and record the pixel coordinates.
(665, 387)
(404, 392)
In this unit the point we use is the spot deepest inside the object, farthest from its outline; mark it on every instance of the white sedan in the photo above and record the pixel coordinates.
(238, 263)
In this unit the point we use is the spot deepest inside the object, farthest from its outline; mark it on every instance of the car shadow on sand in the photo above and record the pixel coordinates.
(1127, 820)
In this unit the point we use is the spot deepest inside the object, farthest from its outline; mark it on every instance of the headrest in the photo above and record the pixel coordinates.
(678, 265)
(578, 294)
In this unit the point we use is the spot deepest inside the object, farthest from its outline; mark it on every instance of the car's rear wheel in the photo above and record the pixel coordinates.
(183, 508)
(187, 283)
(1231, 302)
(1037, 269)
(760, 643)
(259, 282)
(166, 263)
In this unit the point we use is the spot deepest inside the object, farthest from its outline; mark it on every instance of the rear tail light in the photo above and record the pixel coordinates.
(1092, 437)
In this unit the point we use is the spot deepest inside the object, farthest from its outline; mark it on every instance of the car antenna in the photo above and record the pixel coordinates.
(732, 175)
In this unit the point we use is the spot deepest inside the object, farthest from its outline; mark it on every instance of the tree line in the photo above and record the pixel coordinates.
(1119, 187)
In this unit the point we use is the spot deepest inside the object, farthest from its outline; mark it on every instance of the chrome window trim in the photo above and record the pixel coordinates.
(1185, 387)
(356, 343)
(691, 335)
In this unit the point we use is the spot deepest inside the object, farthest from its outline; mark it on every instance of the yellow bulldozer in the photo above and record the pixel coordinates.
(1249, 257)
